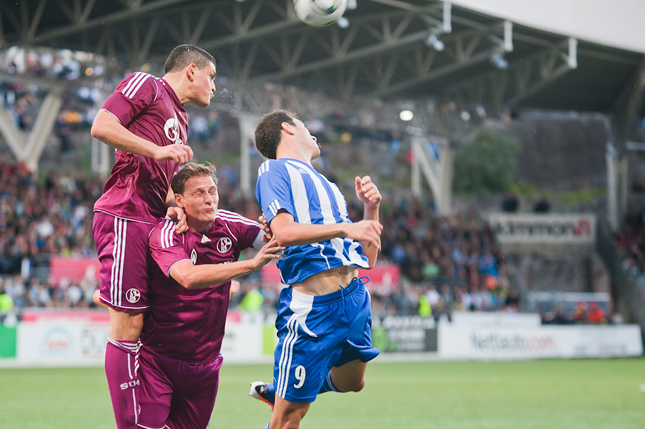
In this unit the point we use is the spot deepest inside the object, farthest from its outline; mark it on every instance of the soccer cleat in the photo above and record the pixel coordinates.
(261, 391)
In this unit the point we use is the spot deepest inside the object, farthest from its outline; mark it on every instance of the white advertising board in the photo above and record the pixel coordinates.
(475, 318)
(553, 229)
(62, 341)
(471, 342)
(79, 338)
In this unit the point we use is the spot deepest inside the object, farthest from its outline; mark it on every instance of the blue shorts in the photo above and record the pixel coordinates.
(318, 332)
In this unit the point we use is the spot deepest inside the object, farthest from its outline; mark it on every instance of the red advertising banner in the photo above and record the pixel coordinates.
(73, 269)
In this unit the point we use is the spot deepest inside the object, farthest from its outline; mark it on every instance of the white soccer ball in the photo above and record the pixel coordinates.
(319, 13)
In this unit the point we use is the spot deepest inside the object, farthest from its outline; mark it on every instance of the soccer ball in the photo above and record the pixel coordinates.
(319, 13)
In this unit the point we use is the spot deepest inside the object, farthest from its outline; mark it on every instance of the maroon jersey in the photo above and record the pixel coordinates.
(138, 185)
(188, 324)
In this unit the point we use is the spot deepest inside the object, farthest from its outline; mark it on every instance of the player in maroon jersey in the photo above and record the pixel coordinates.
(190, 276)
(145, 121)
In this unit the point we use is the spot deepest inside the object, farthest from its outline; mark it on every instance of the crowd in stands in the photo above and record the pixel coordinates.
(446, 263)
(631, 240)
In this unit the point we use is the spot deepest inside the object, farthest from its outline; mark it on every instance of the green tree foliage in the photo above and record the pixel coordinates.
(485, 165)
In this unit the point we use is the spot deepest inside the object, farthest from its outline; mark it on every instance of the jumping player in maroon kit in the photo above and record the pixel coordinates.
(145, 121)
(190, 277)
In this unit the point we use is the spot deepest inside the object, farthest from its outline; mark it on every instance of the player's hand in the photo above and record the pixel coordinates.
(235, 287)
(368, 231)
(269, 252)
(178, 216)
(268, 235)
(179, 153)
(367, 192)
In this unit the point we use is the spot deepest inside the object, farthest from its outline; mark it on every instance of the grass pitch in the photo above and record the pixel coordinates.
(560, 394)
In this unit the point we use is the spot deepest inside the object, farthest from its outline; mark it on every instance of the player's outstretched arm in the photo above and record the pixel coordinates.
(367, 192)
(200, 276)
(107, 128)
(288, 232)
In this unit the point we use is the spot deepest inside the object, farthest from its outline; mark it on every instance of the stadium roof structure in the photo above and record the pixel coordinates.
(392, 49)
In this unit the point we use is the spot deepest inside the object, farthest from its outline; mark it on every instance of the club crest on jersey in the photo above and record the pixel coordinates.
(132, 295)
(171, 128)
(193, 257)
(224, 245)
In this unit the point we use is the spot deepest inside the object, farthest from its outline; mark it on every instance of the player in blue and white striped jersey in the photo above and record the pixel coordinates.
(324, 316)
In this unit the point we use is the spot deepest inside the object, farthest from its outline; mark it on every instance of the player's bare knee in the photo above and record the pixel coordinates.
(359, 386)
(353, 387)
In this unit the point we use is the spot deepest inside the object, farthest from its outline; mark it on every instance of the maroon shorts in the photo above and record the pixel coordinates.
(175, 394)
(122, 247)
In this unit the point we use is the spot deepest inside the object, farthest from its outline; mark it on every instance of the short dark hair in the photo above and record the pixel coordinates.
(268, 131)
(189, 170)
(184, 55)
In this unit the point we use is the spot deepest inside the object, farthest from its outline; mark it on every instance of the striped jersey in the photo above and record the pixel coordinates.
(149, 108)
(294, 186)
(189, 324)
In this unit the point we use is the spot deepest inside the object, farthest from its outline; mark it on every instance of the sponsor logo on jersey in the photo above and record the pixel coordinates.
(132, 295)
(205, 239)
(224, 245)
(171, 128)
(193, 257)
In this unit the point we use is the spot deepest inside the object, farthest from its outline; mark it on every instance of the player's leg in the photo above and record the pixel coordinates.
(155, 392)
(348, 373)
(287, 414)
(195, 392)
(300, 358)
(121, 367)
(122, 249)
(349, 377)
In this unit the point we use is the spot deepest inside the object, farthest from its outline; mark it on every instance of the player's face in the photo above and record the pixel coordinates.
(204, 85)
(309, 142)
(200, 199)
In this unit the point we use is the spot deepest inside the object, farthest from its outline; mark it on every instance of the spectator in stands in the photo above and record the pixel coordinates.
(6, 302)
(596, 315)
(252, 298)
(556, 317)
(512, 301)
(542, 205)
(580, 313)
(510, 203)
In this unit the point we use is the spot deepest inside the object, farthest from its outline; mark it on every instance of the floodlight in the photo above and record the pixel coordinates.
(434, 42)
(498, 60)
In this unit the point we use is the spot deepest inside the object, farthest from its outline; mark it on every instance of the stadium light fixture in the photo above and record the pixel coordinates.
(343, 22)
(498, 60)
(508, 36)
(572, 57)
(406, 115)
(434, 42)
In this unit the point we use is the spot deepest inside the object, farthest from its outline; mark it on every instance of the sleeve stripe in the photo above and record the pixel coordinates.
(127, 87)
(274, 207)
(167, 234)
(234, 217)
(136, 84)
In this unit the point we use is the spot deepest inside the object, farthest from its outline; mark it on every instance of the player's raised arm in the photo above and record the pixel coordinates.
(107, 128)
(367, 192)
